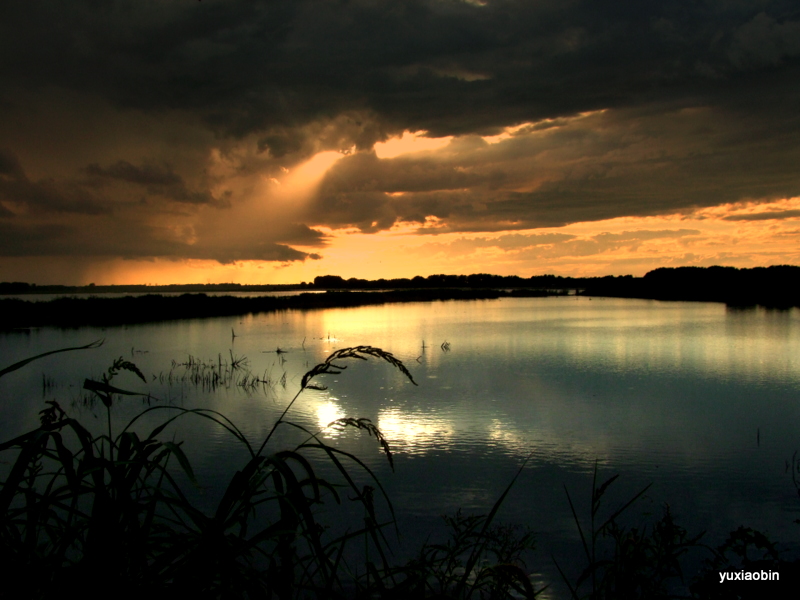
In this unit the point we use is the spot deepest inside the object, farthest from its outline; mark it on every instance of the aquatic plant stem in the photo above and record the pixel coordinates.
(110, 438)
(22, 363)
(331, 368)
(279, 421)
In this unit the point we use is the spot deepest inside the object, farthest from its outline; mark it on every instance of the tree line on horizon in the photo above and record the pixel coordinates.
(322, 282)
(774, 285)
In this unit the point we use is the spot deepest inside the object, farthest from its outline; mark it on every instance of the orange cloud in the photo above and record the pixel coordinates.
(410, 142)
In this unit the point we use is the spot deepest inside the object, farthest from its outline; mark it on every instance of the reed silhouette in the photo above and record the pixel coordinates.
(100, 514)
(110, 513)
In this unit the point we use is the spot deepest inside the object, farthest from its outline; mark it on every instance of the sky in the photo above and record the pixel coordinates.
(272, 141)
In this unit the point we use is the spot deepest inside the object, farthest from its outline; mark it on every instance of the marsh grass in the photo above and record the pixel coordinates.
(211, 375)
(481, 559)
(648, 561)
(628, 563)
(110, 513)
(91, 511)
(48, 383)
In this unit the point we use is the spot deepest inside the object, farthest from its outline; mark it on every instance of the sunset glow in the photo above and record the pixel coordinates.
(741, 235)
(304, 177)
(209, 167)
(409, 142)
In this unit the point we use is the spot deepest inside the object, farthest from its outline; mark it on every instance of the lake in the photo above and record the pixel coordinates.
(699, 399)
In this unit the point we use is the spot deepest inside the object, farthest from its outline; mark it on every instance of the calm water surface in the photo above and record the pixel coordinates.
(699, 399)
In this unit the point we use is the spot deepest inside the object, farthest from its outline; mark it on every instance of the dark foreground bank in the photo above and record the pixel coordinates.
(99, 311)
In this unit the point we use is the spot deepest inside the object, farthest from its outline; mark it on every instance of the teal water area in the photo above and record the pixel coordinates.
(701, 400)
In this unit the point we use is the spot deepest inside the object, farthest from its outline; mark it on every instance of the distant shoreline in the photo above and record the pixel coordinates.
(321, 283)
(771, 287)
(97, 311)
(775, 287)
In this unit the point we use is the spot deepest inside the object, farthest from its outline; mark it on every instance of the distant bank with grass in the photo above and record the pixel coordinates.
(104, 311)
(775, 286)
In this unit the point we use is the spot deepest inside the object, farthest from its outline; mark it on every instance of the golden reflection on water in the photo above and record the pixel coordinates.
(681, 337)
(327, 413)
(415, 433)
(608, 333)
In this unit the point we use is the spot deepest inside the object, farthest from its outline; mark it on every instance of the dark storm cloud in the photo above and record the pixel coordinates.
(293, 77)
(9, 167)
(446, 66)
(63, 217)
(266, 251)
(131, 240)
(144, 175)
(154, 178)
(765, 41)
(633, 162)
(33, 240)
(297, 233)
(765, 216)
(45, 195)
(357, 191)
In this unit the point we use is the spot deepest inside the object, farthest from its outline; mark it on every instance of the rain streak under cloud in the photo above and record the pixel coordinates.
(274, 141)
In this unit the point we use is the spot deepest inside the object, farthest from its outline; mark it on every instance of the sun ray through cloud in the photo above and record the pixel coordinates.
(237, 149)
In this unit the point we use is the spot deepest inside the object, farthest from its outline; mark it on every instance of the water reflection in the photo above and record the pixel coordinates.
(415, 433)
(327, 413)
(669, 393)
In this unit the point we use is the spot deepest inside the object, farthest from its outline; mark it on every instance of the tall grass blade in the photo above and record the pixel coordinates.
(578, 525)
(182, 460)
(573, 592)
(100, 388)
(332, 452)
(478, 550)
(624, 507)
(22, 363)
